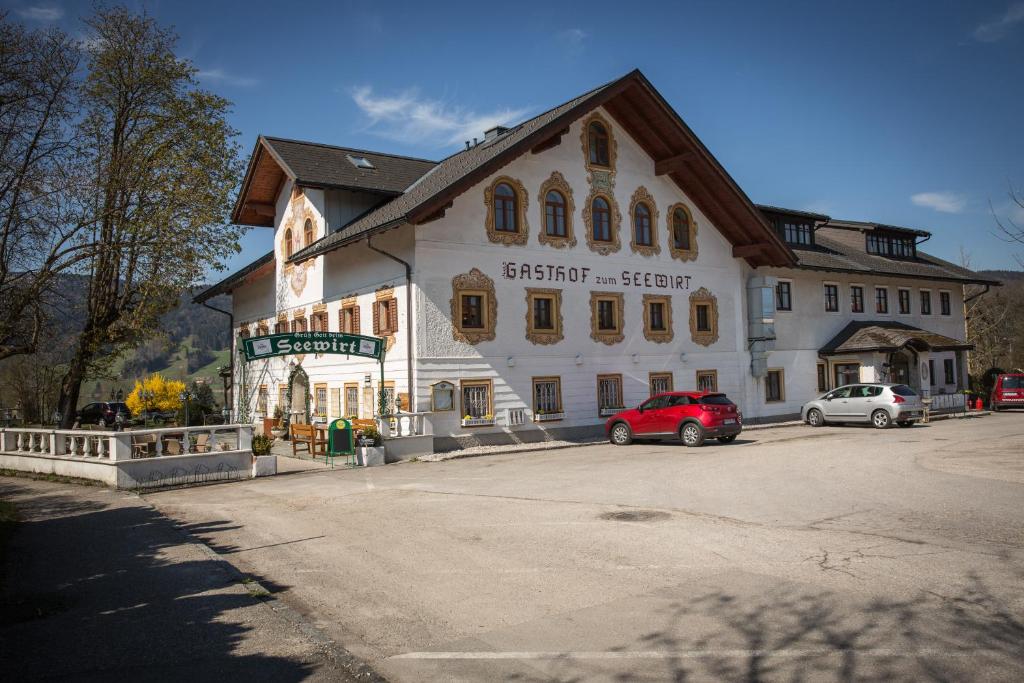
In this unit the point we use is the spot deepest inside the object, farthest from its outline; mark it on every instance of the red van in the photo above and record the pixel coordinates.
(1008, 392)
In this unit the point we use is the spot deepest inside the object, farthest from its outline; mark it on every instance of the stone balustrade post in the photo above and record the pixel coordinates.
(245, 437)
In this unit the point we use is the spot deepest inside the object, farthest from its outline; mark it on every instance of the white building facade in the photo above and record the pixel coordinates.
(578, 263)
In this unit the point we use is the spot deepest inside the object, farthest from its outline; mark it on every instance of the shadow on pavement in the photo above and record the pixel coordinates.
(109, 592)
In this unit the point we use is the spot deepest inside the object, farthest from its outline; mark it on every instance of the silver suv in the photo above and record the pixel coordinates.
(879, 404)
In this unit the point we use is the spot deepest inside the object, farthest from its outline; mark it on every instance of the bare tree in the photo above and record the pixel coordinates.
(1008, 229)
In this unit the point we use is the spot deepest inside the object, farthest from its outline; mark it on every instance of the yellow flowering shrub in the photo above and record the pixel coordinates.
(165, 394)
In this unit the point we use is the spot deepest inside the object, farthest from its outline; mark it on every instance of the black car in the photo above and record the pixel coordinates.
(103, 413)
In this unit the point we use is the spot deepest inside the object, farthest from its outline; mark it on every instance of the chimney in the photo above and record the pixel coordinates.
(494, 132)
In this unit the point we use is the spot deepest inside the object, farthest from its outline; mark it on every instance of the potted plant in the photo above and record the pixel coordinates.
(263, 463)
(369, 447)
(278, 429)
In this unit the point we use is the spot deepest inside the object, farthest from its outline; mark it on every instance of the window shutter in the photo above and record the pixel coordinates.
(376, 318)
(335, 403)
(355, 320)
(393, 315)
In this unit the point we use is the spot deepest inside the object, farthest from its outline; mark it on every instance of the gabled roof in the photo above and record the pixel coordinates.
(886, 336)
(634, 103)
(235, 279)
(311, 164)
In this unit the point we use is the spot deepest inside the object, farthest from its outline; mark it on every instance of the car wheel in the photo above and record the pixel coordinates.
(691, 435)
(815, 418)
(727, 439)
(881, 419)
(621, 434)
(905, 423)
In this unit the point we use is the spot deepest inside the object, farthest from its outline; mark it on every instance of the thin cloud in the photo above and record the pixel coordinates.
(40, 13)
(408, 117)
(946, 202)
(222, 77)
(997, 29)
(572, 40)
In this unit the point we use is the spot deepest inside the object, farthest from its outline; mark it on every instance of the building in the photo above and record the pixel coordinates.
(555, 271)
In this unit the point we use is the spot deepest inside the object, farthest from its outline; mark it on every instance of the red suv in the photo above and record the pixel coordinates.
(690, 416)
(1008, 392)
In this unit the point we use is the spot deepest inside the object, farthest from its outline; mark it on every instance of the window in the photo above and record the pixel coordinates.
(263, 329)
(307, 232)
(606, 311)
(947, 367)
(359, 162)
(682, 233)
(473, 307)
(299, 325)
(602, 226)
(543, 315)
(385, 317)
(547, 398)
(926, 302)
(319, 322)
(931, 371)
(348, 318)
(505, 218)
(609, 394)
(642, 225)
(320, 402)
(597, 138)
(797, 233)
(505, 202)
(261, 400)
(289, 246)
(282, 398)
(857, 299)
(352, 399)
(660, 382)
(881, 300)
(707, 380)
(703, 317)
(784, 296)
(774, 386)
(476, 399)
(832, 298)
(243, 331)
(442, 397)
(554, 214)
(944, 305)
(890, 245)
(904, 301)
(822, 377)
(658, 318)
(281, 326)
(846, 373)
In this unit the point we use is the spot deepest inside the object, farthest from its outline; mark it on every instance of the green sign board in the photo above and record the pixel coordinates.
(291, 343)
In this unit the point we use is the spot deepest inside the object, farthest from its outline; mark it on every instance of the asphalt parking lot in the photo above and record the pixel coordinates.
(796, 553)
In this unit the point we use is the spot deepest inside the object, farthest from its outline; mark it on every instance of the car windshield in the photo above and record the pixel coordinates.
(716, 400)
(903, 390)
(1016, 382)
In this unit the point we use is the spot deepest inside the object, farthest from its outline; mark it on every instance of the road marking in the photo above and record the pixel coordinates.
(697, 654)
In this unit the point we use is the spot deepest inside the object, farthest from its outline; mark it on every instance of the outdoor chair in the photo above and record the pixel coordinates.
(172, 447)
(202, 443)
(144, 446)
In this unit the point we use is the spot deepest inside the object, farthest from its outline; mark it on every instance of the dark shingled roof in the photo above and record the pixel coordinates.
(875, 335)
(233, 280)
(444, 174)
(314, 164)
(768, 208)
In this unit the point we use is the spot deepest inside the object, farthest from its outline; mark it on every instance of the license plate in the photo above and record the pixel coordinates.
(729, 421)
(914, 414)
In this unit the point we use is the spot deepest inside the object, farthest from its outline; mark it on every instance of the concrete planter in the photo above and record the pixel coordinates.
(370, 456)
(264, 465)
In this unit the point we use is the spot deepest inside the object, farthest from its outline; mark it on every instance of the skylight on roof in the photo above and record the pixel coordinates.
(359, 162)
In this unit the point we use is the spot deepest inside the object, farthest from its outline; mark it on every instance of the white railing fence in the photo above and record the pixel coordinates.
(948, 403)
(403, 424)
(127, 445)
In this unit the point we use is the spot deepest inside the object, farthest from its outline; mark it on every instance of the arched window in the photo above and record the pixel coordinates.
(642, 225)
(505, 214)
(598, 140)
(307, 231)
(554, 214)
(601, 219)
(681, 233)
(288, 246)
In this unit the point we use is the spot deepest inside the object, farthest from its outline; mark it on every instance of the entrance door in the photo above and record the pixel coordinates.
(899, 370)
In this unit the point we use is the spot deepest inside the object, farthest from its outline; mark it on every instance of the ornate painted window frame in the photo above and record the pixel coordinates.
(522, 233)
(606, 411)
(350, 304)
(612, 145)
(556, 182)
(474, 282)
(614, 219)
(537, 336)
(658, 336)
(707, 373)
(642, 196)
(385, 294)
(651, 376)
(676, 253)
(607, 337)
(551, 416)
(703, 297)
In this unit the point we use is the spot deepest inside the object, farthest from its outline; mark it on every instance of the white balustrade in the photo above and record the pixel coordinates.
(116, 446)
(402, 424)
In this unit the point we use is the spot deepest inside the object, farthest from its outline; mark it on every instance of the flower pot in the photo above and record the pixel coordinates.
(370, 456)
(264, 465)
(278, 432)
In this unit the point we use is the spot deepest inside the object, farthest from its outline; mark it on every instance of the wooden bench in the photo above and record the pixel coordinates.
(307, 436)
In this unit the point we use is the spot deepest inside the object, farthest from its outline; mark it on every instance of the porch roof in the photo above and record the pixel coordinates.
(882, 335)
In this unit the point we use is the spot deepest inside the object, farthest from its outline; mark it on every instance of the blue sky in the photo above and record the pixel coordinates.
(910, 113)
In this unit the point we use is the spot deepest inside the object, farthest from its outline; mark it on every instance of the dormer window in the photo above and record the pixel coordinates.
(797, 233)
(896, 246)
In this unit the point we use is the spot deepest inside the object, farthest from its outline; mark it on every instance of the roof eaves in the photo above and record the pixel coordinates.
(228, 283)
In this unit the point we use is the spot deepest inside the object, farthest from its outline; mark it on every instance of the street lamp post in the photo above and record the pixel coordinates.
(185, 397)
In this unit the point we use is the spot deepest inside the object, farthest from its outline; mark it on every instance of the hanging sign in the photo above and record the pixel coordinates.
(292, 343)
